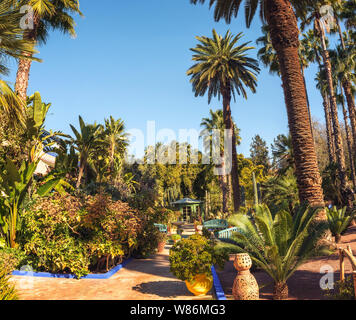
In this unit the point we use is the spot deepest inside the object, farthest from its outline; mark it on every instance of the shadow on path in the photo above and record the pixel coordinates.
(164, 289)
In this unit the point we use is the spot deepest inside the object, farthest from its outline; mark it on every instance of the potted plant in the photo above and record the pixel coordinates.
(162, 239)
(191, 261)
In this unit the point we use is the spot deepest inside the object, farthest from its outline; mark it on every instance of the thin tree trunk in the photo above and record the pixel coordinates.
(81, 173)
(346, 191)
(226, 93)
(223, 187)
(285, 38)
(329, 133)
(349, 144)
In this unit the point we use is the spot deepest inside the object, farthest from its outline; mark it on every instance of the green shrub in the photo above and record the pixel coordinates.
(344, 290)
(176, 237)
(193, 256)
(147, 241)
(7, 291)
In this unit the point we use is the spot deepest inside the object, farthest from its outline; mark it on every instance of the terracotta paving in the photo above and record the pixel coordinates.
(304, 284)
(141, 279)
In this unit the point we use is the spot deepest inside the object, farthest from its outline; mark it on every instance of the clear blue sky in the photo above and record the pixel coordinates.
(129, 60)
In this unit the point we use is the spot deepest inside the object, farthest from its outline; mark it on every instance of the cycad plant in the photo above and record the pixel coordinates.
(338, 221)
(279, 244)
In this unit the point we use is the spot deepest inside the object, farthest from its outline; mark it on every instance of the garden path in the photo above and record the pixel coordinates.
(148, 279)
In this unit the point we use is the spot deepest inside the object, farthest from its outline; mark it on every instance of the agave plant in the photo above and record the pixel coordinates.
(338, 221)
(279, 244)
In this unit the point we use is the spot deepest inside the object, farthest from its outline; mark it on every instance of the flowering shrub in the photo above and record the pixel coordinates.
(71, 234)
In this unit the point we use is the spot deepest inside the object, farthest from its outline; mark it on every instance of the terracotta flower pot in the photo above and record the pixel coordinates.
(245, 285)
(161, 246)
(201, 285)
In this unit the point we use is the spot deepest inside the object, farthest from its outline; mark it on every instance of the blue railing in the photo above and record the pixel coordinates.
(216, 224)
(227, 233)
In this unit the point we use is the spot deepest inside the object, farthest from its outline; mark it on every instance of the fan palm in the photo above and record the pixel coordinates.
(223, 69)
(283, 155)
(279, 244)
(47, 14)
(281, 192)
(209, 125)
(282, 24)
(85, 142)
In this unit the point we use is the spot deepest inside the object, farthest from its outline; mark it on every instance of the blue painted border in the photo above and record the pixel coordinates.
(107, 275)
(220, 294)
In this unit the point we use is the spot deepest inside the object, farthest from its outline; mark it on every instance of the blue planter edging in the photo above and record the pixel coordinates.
(106, 275)
(220, 294)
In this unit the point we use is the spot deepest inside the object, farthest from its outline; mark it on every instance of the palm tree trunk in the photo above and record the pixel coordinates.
(329, 133)
(226, 93)
(352, 114)
(308, 101)
(223, 186)
(349, 145)
(280, 291)
(346, 191)
(81, 173)
(285, 39)
(23, 71)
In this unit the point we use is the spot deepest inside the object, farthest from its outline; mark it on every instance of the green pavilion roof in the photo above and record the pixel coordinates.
(187, 201)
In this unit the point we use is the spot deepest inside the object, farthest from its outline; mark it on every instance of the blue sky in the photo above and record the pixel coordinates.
(129, 60)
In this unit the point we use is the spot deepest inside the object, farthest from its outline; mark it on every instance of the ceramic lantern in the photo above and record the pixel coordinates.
(245, 285)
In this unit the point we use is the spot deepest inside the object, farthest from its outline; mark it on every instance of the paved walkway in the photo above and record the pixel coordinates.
(148, 279)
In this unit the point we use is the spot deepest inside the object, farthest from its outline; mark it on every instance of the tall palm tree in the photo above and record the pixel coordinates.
(323, 88)
(268, 57)
(12, 43)
(344, 68)
(222, 69)
(283, 27)
(312, 13)
(47, 14)
(348, 13)
(114, 140)
(216, 122)
(341, 101)
(85, 142)
(312, 52)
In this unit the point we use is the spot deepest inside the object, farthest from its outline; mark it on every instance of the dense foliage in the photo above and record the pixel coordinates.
(193, 256)
(68, 234)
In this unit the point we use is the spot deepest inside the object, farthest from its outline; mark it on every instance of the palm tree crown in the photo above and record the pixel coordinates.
(221, 65)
